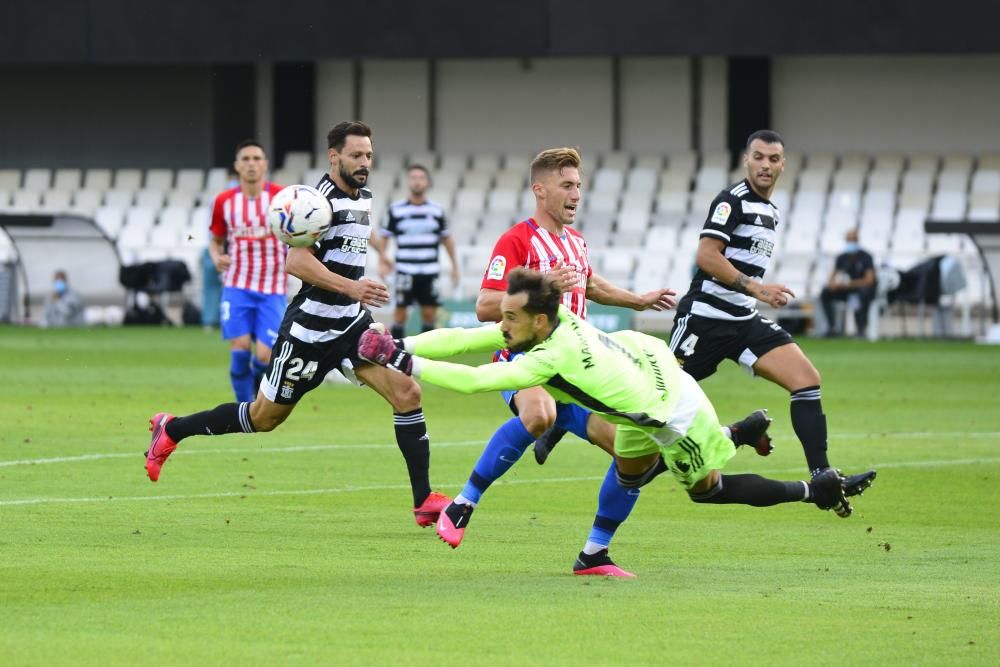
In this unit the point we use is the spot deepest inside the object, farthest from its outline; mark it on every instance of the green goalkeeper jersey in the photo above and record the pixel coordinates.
(630, 377)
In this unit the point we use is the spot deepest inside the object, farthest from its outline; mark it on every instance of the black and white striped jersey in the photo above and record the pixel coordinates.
(317, 315)
(418, 230)
(746, 222)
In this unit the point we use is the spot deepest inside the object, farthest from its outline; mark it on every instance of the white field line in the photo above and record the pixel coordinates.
(439, 444)
(387, 487)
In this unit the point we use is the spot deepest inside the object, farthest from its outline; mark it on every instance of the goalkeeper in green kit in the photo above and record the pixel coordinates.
(663, 419)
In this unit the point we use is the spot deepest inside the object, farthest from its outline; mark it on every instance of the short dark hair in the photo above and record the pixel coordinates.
(767, 136)
(427, 172)
(554, 159)
(543, 295)
(247, 143)
(337, 137)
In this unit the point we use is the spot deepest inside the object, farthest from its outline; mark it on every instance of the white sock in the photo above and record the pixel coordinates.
(808, 494)
(462, 500)
(728, 432)
(591, 548)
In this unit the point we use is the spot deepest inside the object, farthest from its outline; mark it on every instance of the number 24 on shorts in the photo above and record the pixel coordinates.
(299, 370)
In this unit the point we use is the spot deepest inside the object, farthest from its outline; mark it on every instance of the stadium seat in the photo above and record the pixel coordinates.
(958, 162)
(989, 161)
(605, 201)
(119, 198)
(182, 198)
(651, 161)
(953, 180)
(918, 183)
(310, 177)
(923, 162)
(883, 180)
(631, 229)
(165, 236)
(493, 224)
(949, 205)
(888, 162)
(128, 179)
(685, 162)
(502, 200)
(488, 162)
(642, 179)
(477, 180)
(10, 179)
(608, 180)
(284, 176)
(795, 270)
(444, 180)
(463, 232)
(191, 181)
(615, 161)
(67, 180)
(821, 162)
(672, 202)
(469, 200)
(674, 180)
(986, 180)
(425, 158)
(149, 198)
(86, 202)
(711, 179)
(37, 180)
(159, 179)
(217, 180)
(617, 266)
(716, 160)
(382, 163)
(297, 161)
(816, 180)
(97, 179)
(56, 201)
(110, 219)
(455, 162)
(4, 202)
(855, 162)
(984, 207)
(198, 226)
(25, 201)
(510, 180)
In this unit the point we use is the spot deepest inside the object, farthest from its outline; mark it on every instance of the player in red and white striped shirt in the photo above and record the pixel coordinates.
(253, 294)
(548, 243)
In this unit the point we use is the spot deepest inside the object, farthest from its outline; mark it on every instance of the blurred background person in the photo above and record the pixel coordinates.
(63, 307)
(419, 227)
(853, 282)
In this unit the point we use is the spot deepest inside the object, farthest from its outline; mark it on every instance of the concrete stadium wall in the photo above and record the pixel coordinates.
(897, 103)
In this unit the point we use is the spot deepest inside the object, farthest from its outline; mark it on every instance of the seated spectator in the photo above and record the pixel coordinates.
(63, 307)
(852, 281)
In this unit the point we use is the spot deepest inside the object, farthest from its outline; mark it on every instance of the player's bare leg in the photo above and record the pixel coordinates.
(403, 394)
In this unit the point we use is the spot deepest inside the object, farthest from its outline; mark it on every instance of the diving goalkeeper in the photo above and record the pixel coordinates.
(664, 420)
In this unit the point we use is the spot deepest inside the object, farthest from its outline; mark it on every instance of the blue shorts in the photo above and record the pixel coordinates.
(566, 413)
(247, 312)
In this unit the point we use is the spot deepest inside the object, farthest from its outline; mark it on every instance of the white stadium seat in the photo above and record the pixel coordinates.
(470, 200)
(159, 179)
(149, 198)
(297, 161)
(477, 180)
(67, 180)
(128, 179)
(97, 179)
(37, 180)
(510, 180)
(216, 180)
(608, 180)
(190, 180)
(986, 180)
(26, 201)
(10, 179)
(683, 162)
(119, 198)
(642, 179)
(183, 198)
(615, 161)
(56, 201)
(489, 162)
(949, 205)
(673, 202)
(455, 162)
(654, 162)
(605, 201)
(110, 219)
(502, 200)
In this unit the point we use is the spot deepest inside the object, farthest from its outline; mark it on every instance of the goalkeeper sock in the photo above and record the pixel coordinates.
(752, 490)
(240, 375)
(501, 452)
(614, 504)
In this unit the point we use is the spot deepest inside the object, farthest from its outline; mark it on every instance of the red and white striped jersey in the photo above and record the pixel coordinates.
(533, 247)
(258, 258)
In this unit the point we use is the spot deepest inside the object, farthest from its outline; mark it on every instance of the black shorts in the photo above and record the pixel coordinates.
(701, 343)
(417, 287)
(297, 368)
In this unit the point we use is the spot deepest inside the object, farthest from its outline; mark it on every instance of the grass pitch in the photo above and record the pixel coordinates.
(298, 547)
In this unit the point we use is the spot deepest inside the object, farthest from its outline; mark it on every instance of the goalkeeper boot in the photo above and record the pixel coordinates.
(599, 564)
(428, 512)
(547, 442)
(855, 485)
(752, 430)
(160, 447)
(827, 491)
(452, 522)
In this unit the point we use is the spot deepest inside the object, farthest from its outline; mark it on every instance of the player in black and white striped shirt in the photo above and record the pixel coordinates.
(320, 332)
(419, 227)
(717, 319)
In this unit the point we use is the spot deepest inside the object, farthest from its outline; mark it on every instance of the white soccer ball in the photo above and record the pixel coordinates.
(299, 215)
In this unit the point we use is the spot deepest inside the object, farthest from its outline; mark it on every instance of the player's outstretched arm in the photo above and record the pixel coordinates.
(600, 290)
(302, 263)
(712, 260)
(443, 343)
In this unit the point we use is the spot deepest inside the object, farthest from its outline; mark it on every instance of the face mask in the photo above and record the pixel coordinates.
(852, 247)
(59, 286)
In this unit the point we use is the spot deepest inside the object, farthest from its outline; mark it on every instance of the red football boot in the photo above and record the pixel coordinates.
(160, 446)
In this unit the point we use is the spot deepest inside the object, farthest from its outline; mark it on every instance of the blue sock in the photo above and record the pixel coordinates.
(614, 504)
(502, 451)
(258, 369)
(240, 375)
(573, 418)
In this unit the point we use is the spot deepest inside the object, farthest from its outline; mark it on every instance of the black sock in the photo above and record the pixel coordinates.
(226, 418)
(427, 326)
(397, 331)
(411, 436)
(751, 490)
(809, 424)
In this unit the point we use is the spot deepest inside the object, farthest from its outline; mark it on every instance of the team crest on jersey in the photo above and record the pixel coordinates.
(721, 213)
(497, 267)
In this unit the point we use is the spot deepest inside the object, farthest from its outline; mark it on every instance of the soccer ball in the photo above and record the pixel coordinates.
(299, 215)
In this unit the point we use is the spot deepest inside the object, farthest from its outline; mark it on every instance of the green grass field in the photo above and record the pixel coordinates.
(298, 547)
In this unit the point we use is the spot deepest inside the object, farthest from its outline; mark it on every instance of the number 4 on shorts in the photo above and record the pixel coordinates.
(687, 347)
